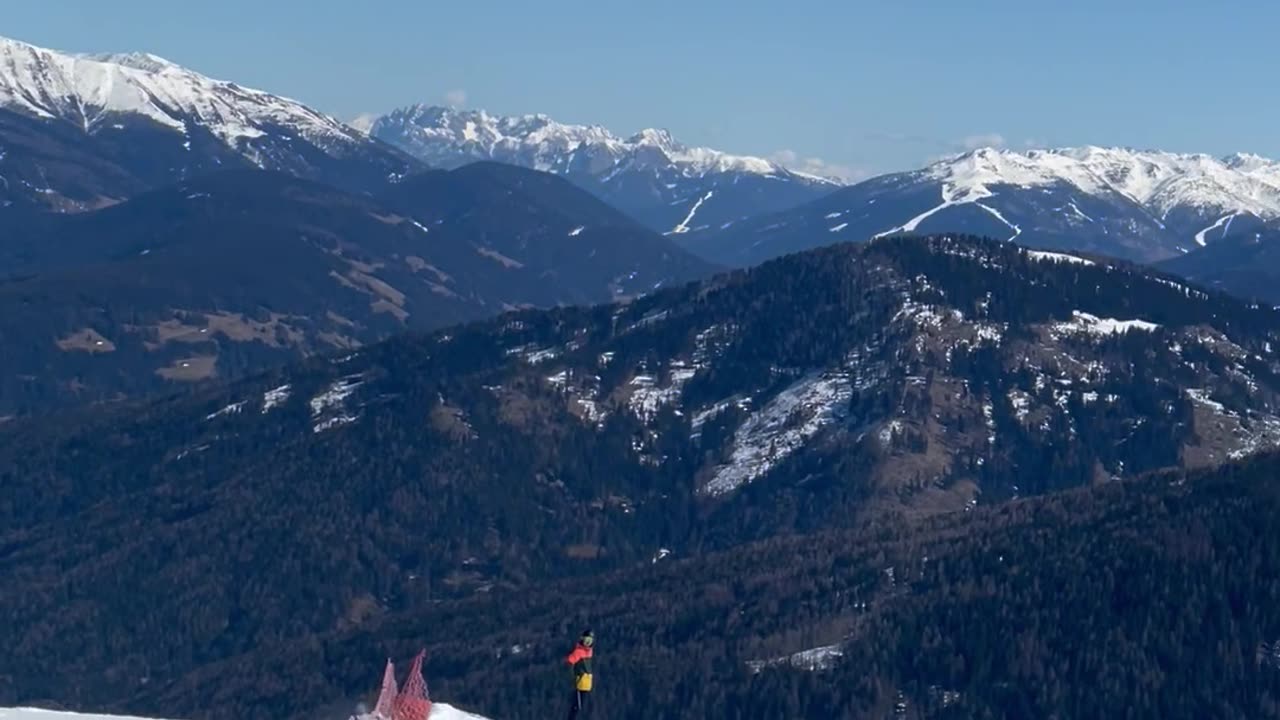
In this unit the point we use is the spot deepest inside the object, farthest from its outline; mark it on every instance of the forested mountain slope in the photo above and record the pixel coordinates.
(904, 377)
(1136, 599)
(241, 270)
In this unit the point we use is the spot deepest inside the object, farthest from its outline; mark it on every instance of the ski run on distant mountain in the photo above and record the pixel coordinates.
(1141, 205)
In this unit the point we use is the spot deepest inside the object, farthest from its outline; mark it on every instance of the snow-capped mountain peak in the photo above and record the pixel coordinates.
(90, 90)
(667, 184)
(1159, 181)
(1248, 162)
(153, 122)
(137, 60)
(446, 137)
(439, 132)
(655, 138)
(363, 122)
(1145, 205)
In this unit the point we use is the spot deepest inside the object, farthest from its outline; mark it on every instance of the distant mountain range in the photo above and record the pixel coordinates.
(82, 132)
(1145, 206)
(281, 397)
(665, 184)
(163, 228)
(86, 131)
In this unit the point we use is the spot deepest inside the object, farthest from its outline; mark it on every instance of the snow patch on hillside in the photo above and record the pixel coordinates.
(334, 396)
(1186, 291)
(274, 398)
(701, 417)
(231, 409)
(1251, 433)
(1083, 322)
(813, 659)
(1202, 397)
(333, 399)
(534, 355)
(648, 396)
(784, 425)
(333, 422)
(1043, 256)
(925, 315)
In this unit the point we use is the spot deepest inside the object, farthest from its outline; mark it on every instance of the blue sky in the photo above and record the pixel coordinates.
(865, 86)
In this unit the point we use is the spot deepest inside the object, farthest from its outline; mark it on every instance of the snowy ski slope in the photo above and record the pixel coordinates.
(439, 711)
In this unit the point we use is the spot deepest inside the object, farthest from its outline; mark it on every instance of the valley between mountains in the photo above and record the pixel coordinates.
(283, 396)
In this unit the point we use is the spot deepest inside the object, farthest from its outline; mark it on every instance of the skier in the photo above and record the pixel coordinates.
(580, 661)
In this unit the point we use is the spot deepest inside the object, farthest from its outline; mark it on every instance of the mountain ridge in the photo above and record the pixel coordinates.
(650, 175)
(89, 89)
(1138, 205)
(492, 135)
(153, 122)
(236, 270)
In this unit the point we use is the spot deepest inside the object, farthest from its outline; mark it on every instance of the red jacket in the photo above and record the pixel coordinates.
(580, 661)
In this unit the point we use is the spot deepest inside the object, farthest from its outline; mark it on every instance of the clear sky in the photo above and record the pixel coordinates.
(866, 86)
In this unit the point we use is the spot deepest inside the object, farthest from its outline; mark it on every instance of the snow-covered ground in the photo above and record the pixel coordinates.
(339, 391)
(1044, 256)
(274, 398)
(41, 714)
(781, 428)
(819, 658)
(1083, 322)
(439, 711)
